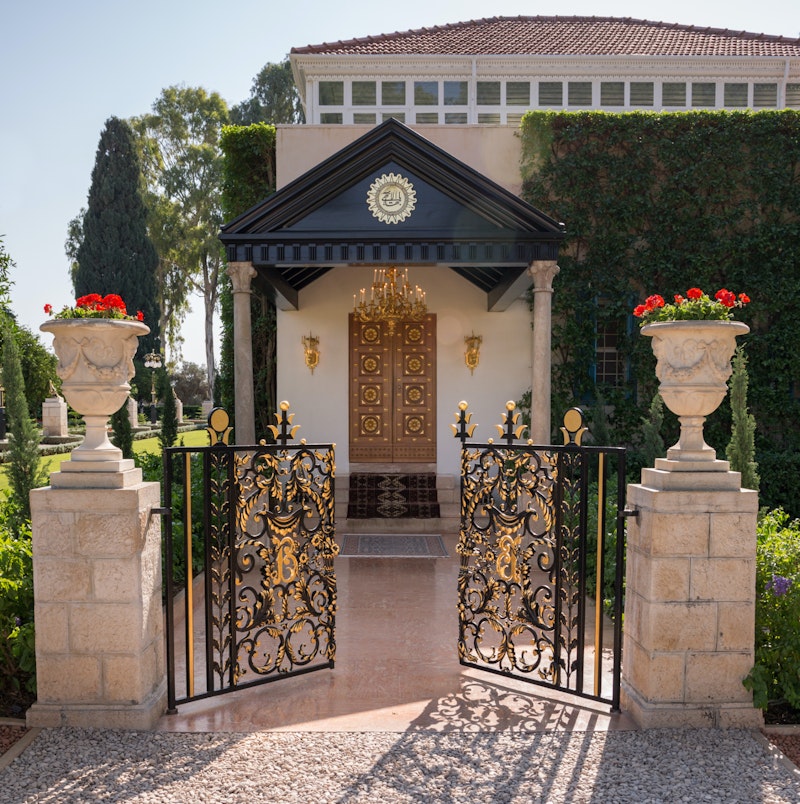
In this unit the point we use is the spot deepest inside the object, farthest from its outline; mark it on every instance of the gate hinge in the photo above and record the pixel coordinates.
(157, 512)
(630, 512)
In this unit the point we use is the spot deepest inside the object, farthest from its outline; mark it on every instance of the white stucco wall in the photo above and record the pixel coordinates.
(494, 151)
(320, 401)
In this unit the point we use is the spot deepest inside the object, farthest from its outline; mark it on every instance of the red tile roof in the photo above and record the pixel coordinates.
(564, 36)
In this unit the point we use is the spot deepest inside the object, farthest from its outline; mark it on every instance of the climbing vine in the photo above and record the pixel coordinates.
(658, 203)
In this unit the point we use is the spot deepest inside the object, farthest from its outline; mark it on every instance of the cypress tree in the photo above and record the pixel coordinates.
(123, 432)
(652, 442)
(169, 415)
(24, 468)
(741, 449)
(116, 254)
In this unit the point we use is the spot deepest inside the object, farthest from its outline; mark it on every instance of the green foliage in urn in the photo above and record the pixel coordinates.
(675, 201)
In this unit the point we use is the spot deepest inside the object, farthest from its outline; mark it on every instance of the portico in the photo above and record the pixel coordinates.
(474, 248)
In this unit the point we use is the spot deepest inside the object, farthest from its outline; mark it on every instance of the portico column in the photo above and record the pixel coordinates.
(542, 272)
(241, 273)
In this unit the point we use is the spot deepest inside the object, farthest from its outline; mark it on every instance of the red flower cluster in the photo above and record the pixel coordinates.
(650, 303)
(100, 304)
(93, 305)
(695, 306)
(729, 299)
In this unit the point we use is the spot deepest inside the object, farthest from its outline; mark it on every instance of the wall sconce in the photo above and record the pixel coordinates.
(311, 347)
(472, 354)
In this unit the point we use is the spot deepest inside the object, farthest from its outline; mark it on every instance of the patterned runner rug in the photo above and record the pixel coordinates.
(393, 496)
(392, 545)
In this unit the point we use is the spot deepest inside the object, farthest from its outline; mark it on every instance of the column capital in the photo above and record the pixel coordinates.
(543, 272)
(241, 273)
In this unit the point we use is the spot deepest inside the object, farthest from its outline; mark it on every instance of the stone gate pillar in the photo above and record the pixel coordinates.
(97, 593)
(690, 598)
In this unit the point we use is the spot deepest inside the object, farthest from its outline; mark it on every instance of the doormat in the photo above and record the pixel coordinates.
(392, 545)
(393, 496)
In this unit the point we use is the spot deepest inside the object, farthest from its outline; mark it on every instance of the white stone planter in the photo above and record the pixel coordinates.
(95, 364)
(693, 366)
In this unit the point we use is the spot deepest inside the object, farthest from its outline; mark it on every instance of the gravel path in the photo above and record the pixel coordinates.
(69, 765)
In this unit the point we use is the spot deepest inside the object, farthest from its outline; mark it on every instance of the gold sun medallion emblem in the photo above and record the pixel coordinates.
(391, 198)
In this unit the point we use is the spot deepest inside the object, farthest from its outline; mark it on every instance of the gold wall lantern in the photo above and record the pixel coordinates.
(311, 347)
(472, 355)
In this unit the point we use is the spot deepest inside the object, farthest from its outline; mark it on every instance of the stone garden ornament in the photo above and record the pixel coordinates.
(694, 339)
(95, 342)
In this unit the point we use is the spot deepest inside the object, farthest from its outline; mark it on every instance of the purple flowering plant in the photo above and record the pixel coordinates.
(775, 677)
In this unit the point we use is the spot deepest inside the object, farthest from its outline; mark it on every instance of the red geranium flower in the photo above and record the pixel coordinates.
(93, 305)
(695, 306)
(725, 297)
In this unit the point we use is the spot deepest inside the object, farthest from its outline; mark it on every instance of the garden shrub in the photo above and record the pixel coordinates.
(775, 677)
(17, 655)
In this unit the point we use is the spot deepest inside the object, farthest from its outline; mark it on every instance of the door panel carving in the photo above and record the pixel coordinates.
(393, 391)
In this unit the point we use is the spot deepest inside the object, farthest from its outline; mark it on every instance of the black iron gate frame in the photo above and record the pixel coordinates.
(286, 494)
(495, 589)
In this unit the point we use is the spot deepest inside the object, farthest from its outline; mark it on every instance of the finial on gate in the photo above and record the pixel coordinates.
(284, 431)
(218, 430)
(574, 426)
(463, 429)
(509, 429)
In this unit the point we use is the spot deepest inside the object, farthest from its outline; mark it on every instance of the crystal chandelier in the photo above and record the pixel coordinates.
(391, 299)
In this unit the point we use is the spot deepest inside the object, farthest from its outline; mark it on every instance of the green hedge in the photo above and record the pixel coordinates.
(658, 203)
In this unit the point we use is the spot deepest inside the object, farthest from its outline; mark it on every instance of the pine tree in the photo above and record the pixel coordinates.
(741, 449)
(115, 254)
(24, 467)
(169, 415)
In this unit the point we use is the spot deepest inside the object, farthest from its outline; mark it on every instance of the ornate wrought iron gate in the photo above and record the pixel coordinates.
(250, 588)
(542, 552)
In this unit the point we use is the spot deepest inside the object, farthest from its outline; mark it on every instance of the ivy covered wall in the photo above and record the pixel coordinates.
(658, 203)
(248, 178)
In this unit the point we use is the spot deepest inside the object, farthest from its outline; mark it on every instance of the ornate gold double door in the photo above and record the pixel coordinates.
(393, 391)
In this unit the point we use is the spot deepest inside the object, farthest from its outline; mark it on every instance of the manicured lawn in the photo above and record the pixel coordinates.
(194, 438)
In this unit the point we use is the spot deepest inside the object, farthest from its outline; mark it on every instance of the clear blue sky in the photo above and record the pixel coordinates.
(68, 66)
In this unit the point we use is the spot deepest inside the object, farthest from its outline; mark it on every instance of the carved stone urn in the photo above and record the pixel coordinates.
(95, 364)
(693, 364)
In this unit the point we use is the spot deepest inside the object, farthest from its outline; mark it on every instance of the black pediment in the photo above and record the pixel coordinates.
(456, 218)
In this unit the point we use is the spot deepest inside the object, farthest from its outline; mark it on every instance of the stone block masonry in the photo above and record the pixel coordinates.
(99, 621)
(690, 600)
